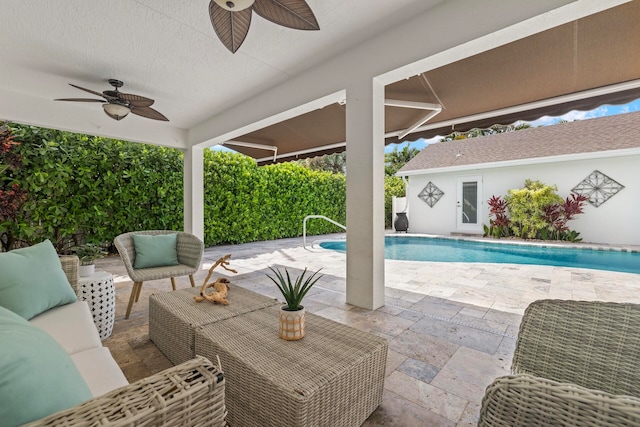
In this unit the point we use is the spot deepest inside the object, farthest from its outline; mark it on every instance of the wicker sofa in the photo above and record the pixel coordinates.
(189, 394)
(575, 364)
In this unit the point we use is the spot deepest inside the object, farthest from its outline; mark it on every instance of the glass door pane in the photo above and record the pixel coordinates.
(469, 202)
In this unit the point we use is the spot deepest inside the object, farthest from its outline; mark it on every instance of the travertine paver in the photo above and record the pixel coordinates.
(451, 327)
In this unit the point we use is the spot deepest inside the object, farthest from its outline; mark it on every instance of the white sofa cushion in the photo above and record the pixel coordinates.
(71, 326)
(99, 370)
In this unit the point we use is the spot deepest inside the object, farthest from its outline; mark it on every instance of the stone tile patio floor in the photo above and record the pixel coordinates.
(451, 327)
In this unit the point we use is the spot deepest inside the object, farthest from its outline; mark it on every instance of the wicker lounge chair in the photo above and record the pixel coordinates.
(189, 249)
(575, 364)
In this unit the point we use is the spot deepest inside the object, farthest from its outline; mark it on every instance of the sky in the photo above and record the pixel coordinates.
(604, 110)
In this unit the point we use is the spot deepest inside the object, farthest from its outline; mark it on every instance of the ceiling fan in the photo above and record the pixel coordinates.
(231, 19)
(118, 105)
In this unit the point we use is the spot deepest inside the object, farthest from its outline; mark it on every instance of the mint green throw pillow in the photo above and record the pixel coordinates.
(32, 280)
(155, 251)
(37, 377)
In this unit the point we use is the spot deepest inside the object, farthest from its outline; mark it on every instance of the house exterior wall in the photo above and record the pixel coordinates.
(617, 221)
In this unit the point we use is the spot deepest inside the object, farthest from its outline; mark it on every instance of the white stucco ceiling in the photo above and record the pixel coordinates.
(163, 49)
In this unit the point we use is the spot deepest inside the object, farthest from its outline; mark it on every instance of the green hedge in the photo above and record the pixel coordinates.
(91, 188)
(84, 188)
(245, 203)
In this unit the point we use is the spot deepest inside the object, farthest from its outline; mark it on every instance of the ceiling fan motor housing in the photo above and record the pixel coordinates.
(116, 83)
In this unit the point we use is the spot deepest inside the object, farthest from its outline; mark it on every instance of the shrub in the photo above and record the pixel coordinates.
(526, 207)
(91, 188)
(557, 216)
(499, 226)
(246, 203)
(393, 186)
(536, 212)
(12, 196)
(77, 188)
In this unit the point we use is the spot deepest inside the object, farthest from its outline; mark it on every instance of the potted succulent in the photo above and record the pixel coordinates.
(88, 253)
(292, 313)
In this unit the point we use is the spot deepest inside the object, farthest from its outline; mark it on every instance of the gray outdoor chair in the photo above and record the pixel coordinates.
(189, 250)
(575, 364)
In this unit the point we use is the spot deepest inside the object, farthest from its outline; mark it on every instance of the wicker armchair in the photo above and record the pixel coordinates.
(189, 249)
(575, 364)
(189, 394)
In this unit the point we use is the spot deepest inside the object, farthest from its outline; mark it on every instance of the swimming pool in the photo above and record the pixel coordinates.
(411, 248)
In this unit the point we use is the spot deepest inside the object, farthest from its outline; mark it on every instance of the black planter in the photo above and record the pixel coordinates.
(402, 222)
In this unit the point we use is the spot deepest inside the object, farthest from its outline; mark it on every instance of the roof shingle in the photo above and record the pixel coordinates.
(586, 136)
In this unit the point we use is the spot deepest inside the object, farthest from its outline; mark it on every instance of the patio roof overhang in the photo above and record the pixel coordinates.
(579, 65)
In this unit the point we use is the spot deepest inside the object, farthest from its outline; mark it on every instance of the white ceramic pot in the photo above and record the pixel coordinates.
(87, 270)
(291, 324)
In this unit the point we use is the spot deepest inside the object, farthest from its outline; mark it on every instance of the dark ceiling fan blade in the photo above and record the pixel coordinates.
(136, 100)
(87, 90)
(149, 113)
(294, 14)
(231, 27)
(80, 100)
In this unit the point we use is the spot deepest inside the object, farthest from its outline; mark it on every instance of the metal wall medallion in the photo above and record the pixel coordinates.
(598, 187)
(431, 194)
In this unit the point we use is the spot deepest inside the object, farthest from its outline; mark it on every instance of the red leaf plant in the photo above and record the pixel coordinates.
(499, 224)
(558, 214)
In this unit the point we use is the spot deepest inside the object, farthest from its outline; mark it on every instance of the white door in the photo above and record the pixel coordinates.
(469, 204)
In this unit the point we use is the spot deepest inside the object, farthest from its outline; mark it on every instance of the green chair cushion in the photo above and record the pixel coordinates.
(155, 250)
(32, 280)
(37, 377)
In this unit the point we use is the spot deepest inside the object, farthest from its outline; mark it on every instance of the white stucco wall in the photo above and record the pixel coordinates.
(617, 221)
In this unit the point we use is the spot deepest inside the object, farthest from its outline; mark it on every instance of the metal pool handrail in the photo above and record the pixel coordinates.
(304, 226)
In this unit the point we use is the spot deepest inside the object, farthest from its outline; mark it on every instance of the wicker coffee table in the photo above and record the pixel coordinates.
(173, 317)
(334, 376)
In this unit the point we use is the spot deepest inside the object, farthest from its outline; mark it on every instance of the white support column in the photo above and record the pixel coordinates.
(194, 191)
(365, 194)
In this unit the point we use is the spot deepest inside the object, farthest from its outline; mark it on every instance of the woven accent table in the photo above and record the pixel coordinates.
(99, 292)
(173, 317)
(334, 376)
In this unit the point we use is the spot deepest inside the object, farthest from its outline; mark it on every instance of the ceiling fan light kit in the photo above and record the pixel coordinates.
(234, 6)
(116, 111)
(231, 18)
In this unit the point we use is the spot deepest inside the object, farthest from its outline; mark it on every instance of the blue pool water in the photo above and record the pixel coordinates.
(410, 248)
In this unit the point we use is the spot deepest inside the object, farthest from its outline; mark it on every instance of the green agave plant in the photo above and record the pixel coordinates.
(294, 291)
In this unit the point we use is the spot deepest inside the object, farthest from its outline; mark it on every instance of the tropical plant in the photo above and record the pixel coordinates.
(393, 186)
(88, 253)
(12, 196)
(536, 212)
(499, 226)
(558, 214)
(294, 291)
(526, 207)
(396, 159)
(495, 129)
(334, 163)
